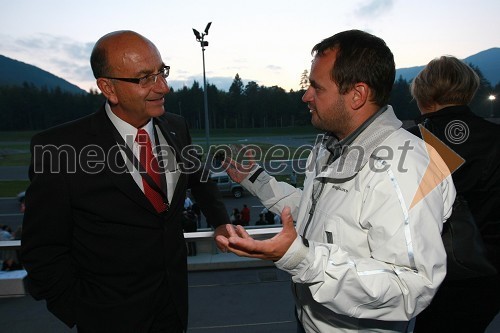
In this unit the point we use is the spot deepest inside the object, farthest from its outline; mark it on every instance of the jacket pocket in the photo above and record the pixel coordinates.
(329, 237)
(332, 230)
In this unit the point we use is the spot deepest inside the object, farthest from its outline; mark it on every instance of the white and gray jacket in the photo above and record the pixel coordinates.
(370, 256)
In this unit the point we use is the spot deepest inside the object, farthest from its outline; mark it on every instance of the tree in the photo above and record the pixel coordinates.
(216, 105)
(28, 107)
(480, 104)
(304, 80)
(253, 109)
(401, 101)
(235, 101)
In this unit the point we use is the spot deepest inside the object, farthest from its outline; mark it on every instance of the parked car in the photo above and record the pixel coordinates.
(226, 185)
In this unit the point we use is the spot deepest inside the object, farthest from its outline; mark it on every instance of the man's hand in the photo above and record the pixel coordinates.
(221, 236)
(237, 171)
(239, 241)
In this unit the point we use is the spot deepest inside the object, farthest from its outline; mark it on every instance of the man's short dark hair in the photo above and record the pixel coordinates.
(99, 62)
(361, 57)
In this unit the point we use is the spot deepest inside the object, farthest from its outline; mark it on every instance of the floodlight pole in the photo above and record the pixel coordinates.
(201, 39)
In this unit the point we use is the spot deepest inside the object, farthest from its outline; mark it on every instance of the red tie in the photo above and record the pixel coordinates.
(150, 164)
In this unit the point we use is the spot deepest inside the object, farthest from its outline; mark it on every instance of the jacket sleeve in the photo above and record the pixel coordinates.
(274, 195)
(47, 234)
(406, 261)
(207, 195)
(204, 190)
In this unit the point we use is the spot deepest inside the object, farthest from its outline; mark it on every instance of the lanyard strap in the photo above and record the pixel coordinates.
(138, 166)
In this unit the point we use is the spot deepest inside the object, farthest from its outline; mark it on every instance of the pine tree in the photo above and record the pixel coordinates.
(304, 80)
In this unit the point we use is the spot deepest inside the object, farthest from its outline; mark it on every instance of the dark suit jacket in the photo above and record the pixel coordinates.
(93, 246)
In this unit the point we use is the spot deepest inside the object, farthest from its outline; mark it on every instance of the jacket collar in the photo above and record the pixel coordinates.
(100, 127)
(366, 139)
(447, 111)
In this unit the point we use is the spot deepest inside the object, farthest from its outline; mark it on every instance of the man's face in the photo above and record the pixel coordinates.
(135, 58)
(326, 104)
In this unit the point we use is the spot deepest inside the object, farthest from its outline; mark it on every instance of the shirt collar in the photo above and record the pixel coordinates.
(127, 131)
(334, 146)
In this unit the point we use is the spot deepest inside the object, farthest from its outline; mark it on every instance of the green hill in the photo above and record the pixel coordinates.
(16, 73)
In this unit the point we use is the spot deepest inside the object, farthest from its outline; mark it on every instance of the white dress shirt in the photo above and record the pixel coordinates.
(129, 132)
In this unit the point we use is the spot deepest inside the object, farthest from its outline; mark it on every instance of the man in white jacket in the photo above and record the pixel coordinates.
(366, 253)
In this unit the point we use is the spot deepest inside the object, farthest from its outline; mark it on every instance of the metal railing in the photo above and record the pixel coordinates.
(203, 234)
(10, 245)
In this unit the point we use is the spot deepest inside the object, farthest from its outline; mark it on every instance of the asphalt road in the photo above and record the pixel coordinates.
(256, 300)
(225, 301)
(11, 216)
(14, 172)
(230, 301)
(9, 213)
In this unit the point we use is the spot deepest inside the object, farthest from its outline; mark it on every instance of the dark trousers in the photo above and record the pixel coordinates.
(466, 306)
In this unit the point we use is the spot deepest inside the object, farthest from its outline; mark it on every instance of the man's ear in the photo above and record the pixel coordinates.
(359, 93)
(108, 89)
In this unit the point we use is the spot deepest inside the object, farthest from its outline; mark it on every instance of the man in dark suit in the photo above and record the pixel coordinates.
(102, 234)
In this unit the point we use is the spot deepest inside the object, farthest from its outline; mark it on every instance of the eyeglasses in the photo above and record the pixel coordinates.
(145, 81)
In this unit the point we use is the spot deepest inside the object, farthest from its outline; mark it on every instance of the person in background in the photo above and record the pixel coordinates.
(190, 225)
(188, 203)
(366, 254)
(269, 216)
(196, 209)
(245, 215)
(443, 90)
(261, 220)
(102, 239)
(236, 217)
(293, 179)
(9, 258)
(20, 197)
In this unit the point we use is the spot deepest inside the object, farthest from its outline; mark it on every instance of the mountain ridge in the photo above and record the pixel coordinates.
(16, 73)
(488, 61)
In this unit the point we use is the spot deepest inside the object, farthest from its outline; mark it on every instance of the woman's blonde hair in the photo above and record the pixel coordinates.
(445, 80)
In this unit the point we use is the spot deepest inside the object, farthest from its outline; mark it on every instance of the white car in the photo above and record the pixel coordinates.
(226, 185)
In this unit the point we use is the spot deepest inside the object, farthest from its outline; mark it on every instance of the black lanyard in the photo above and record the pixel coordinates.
(336, 149)
(138, 166)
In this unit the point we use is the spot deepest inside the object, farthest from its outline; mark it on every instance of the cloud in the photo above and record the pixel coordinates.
(58, 46)
(375, 7)
(274, 67)
(59, 55)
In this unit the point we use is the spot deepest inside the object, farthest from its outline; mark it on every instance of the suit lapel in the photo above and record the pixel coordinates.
(116, 168)
(173, 139)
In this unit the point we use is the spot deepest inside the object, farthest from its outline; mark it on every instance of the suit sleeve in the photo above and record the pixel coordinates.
(208, 197)
(47, 232)
(205, 191)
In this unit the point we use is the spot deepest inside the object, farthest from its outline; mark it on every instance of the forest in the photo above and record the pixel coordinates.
(27, 107)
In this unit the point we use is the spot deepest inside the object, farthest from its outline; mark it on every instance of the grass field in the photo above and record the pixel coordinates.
(14, 147)
(246, 132)
(20, 136)
(10, 188)
(16, 136)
